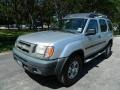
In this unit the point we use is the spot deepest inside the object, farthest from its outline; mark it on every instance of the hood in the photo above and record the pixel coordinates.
(46, 37)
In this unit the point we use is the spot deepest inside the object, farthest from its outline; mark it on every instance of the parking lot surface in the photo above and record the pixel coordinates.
(99, 74)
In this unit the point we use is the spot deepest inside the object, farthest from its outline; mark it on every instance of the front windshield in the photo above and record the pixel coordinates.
(73, 25)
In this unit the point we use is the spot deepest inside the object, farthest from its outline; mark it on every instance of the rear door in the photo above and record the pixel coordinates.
(104, 33)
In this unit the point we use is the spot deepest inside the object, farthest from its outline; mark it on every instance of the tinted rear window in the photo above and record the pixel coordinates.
(110, 25)
(103, 25)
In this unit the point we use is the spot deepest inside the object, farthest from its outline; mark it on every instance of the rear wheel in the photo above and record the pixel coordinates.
(72, 70)
(108, 51)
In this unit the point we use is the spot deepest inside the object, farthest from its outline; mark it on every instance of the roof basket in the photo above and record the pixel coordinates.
(93, 15)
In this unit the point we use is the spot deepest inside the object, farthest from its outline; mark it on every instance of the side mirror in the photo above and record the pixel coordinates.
(90, 32)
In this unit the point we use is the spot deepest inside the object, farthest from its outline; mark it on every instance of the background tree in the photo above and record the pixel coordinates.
(28, 11)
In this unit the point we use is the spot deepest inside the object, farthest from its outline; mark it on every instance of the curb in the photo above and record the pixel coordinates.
(5, 53)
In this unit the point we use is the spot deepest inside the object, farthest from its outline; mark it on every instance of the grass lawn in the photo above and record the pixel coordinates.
(7, 39)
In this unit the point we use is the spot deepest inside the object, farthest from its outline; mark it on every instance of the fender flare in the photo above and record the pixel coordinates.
(61, 63)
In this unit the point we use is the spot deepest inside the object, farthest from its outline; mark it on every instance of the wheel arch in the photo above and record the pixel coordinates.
(60, 71)
(110, 41)
(80, 52)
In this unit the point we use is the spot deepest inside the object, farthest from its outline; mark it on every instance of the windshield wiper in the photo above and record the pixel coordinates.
(67, 31)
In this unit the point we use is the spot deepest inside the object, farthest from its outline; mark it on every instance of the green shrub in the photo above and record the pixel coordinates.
(7, 39)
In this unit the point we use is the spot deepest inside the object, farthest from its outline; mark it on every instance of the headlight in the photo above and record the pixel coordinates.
(40, 50)
(45, 51)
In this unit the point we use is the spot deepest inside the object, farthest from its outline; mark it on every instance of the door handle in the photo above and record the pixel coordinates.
(99, 36)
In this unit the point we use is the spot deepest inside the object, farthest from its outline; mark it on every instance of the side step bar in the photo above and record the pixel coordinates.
(94, 56)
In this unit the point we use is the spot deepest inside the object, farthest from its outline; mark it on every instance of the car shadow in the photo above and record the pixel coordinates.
(51, 81)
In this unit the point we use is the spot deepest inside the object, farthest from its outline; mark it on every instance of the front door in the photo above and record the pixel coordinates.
(92, 42)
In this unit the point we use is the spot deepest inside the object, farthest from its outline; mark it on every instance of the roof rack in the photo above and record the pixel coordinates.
(93, 15)
(85, 15)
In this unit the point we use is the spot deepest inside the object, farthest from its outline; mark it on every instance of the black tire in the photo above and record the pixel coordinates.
(66, 73)
(107, 51)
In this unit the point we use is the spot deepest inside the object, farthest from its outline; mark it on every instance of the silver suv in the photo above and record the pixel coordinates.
(64, 51)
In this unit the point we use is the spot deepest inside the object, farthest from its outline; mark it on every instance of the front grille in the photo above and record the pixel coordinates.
(25, 46)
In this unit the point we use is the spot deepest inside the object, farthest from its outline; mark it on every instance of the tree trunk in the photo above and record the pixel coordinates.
(32, 22)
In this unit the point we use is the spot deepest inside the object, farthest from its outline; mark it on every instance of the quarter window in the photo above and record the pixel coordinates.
(103, 25)
(110, 25)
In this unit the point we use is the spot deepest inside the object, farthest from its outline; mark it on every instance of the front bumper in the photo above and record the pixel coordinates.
(37, 66)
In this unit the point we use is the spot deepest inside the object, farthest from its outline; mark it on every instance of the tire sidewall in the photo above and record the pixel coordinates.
(106, 54)
(64, 78)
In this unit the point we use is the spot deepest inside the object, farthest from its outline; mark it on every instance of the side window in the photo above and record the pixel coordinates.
(93, 24)
(110, 25)
(103, 25)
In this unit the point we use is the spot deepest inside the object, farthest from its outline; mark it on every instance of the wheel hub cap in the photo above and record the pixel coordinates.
(73, 70)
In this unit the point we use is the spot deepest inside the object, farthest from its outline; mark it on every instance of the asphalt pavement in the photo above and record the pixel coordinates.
(99, 74)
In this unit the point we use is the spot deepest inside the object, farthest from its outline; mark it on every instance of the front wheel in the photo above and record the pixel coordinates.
(72, 70)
